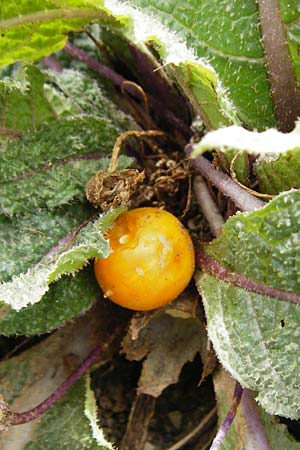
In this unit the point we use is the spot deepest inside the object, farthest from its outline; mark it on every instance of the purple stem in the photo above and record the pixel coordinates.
(27, 416)
(208, 206)
(244, 200)
(118, 80)
(254, 433)
(53, 64)
(223, 430)
(210, 265)
(52, 165)
(104, 71)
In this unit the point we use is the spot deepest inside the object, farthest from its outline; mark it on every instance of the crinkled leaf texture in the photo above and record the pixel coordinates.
(43, 172)
(257, 337)
(227, 33)
(277, 167)
(196, 77)
(51, 168)
(24, 105)
(29, 287)
(67, 298)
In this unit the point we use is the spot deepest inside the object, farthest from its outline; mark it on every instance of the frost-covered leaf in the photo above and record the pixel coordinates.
(167, 341)
(29, 287)
(67, 298)
(64, 139)
(277, 167)
(227, 33)
(50, 167)
(256, 337)
(85, 96)
(23, 102)
(32, 376)
(90, 412)
(26, 239)
(268, 143)
(197, 79)
(53, 185)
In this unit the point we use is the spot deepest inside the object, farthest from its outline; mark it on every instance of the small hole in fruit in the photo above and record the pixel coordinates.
(282, 323)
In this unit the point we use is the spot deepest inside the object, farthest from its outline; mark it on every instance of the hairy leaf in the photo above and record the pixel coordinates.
(53, 185)
(227, 33)
(26, 239)
(80, 433)
(29, 378)
(290, 17)
(67, 298)
(277, 166)
(30, 30)
(85, 96)
(197, 79)
(64, 139)
(256, 337)
(23, 102)
(29, 287)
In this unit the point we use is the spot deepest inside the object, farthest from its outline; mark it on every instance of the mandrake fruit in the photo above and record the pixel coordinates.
(151, 261)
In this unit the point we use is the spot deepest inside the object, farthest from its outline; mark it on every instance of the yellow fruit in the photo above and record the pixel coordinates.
(151, 262)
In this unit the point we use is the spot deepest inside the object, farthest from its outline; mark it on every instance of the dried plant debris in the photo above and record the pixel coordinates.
(106, 190)
(167, 343)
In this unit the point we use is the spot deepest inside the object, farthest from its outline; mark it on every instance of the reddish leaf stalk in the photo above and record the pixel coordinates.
(31, 414)
(103, 70)
(51, 165)
(213, 267)
(243, 200)
(255, 432)
(130, 88)
(53, 64)
(208, 206)
(284, 89)
(223, 430)
(27, 416)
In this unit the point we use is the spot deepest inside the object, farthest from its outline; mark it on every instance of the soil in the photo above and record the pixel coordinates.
(178, 410)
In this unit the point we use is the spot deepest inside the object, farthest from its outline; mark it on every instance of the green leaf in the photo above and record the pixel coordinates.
(67, 298)
(278, 435)
(196, 77)
(84, 95)
(53, 185)
(227, 34)
(28, 288)
(252, 426)
(23, 102)
(277, 167)
(50, 168)
(290, 16)
(30, 30)
(256, 337)
(30, 377)
(26, 239)
(79, 433)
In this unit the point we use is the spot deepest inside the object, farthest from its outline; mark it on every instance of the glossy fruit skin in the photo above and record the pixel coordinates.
(152, 259)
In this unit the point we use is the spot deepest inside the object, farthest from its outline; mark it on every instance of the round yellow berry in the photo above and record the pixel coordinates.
(151, 261)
